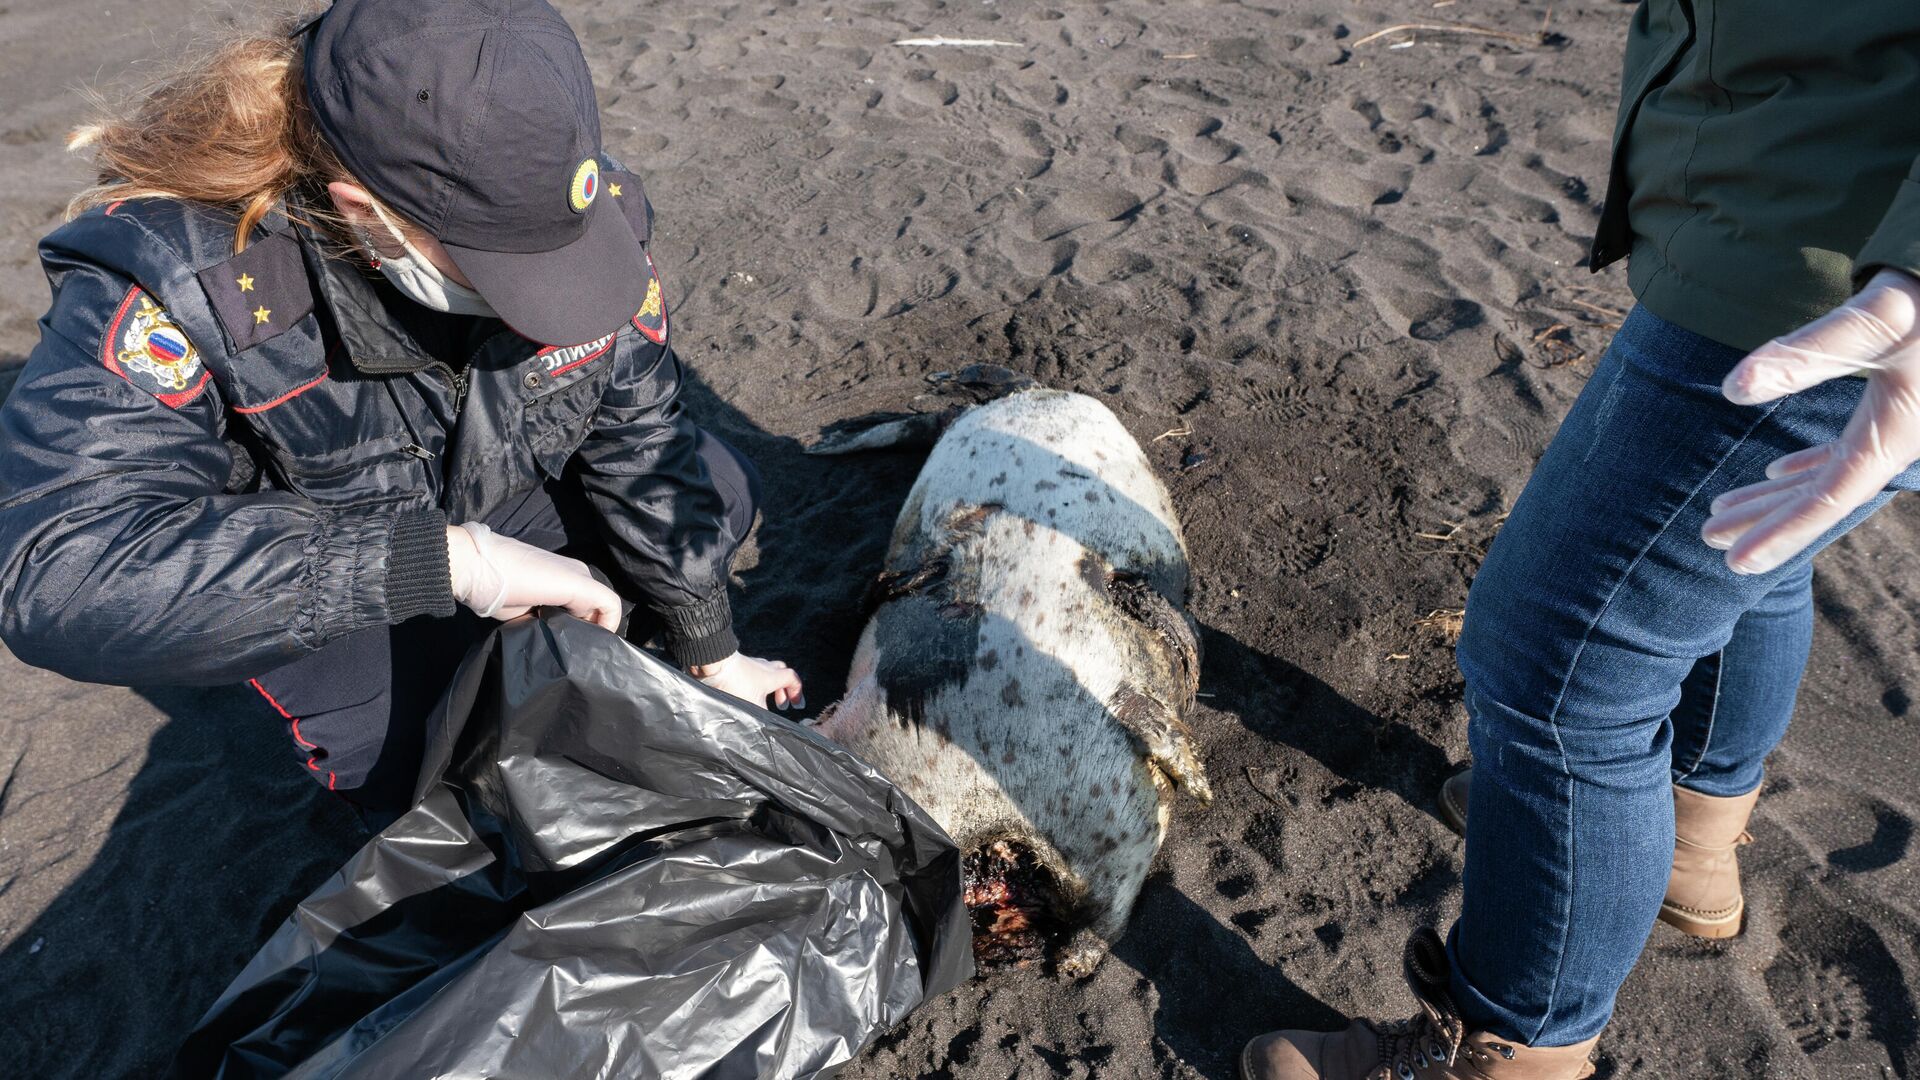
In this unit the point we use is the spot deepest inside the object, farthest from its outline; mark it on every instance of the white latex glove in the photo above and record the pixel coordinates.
(1763, 525)
(502, 578)
(754, 681)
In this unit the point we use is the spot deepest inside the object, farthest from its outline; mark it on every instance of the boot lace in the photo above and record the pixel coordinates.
(1433, 1039)
(1409, 1048)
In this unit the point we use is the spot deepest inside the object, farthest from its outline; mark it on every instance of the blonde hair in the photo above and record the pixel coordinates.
(229, 128)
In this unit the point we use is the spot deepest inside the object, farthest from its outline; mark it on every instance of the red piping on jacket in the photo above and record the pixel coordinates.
(281, 400)
(297, 737)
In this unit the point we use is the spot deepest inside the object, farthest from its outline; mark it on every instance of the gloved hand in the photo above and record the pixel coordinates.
(501, 578)
(754, 681)
(1763, 525)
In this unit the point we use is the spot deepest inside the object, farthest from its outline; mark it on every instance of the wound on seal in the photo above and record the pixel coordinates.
(1015, 905)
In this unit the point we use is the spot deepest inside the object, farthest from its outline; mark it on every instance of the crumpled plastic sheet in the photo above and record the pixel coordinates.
(611, 871)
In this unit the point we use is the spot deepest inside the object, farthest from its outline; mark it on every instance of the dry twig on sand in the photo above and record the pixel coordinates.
(1611, 318)
(1450, 28)
(1454, 28)
(1446, 622)
(1457, 544)
(1557, 343)
(962, 43)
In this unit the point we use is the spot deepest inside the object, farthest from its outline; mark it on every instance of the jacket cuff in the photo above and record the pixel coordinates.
(418, 579)
(701, 632)
(1895, 243)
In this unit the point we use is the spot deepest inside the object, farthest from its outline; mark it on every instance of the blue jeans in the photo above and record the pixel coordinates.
(1609, 654)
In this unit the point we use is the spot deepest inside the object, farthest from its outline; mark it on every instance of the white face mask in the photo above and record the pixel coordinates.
(422, 282)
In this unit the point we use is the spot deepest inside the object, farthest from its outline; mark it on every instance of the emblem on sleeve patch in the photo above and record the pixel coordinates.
(652, 320)
(148, 349)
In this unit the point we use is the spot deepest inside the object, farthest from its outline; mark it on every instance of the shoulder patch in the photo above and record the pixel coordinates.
(652, 319)
(260, 293)
(625, 190)
(148, 349)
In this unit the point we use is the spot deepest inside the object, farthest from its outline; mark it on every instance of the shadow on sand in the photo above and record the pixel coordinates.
(221, 834)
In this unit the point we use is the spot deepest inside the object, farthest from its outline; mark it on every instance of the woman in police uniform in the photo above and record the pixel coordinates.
(356, 333)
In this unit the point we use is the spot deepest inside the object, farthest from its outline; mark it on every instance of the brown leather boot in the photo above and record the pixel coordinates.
(1703, 895)
(1434, 1045)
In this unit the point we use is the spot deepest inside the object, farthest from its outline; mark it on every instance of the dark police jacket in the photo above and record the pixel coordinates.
(212, 463)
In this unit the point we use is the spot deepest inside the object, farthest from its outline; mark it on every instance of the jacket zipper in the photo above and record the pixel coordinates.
(460, 381)
(461, 377)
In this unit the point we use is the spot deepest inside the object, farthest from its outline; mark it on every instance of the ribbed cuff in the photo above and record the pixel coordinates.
(1895, 243)
(418, 579)
(701, 632)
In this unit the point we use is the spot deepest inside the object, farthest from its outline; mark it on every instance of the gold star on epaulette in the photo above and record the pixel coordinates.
(614, 189)
(261, 315)
(246, 282)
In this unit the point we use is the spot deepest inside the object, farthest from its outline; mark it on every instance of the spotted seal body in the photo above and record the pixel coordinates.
(1027, 664)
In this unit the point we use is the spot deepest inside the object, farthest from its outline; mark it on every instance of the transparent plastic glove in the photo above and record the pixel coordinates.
(1876, 333)
(755, 681)
(502, 578)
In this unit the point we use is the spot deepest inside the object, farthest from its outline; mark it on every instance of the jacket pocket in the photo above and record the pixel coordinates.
(268, 376)
(385, 467)
(558, 418)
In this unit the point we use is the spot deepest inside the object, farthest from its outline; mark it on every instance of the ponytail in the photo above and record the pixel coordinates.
(231, 129)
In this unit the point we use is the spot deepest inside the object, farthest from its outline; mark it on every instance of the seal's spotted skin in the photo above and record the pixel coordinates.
(1027, 668)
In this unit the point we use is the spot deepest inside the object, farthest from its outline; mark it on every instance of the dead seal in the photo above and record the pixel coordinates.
(1028, 662)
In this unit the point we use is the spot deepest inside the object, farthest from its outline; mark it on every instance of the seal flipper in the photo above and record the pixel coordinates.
(1162, 738)
(880, 431)
(1159, 733)
(949, 394)
(977, 384)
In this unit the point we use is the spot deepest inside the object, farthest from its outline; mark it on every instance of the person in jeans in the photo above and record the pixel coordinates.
(1634, 642)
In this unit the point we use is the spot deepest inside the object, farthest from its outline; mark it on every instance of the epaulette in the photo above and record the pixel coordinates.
(260, 293)
(182, 253)
(625, 188)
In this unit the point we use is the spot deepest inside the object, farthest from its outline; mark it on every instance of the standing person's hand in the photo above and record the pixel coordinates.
(502, 578)
(754, 681)
(1878, 332)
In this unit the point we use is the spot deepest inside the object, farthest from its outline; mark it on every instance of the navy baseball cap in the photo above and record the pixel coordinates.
(476, 119)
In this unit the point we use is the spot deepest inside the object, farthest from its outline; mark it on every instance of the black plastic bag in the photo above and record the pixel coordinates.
(611, 871)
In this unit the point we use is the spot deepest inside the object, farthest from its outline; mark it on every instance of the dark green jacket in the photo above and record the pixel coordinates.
(1765, 159)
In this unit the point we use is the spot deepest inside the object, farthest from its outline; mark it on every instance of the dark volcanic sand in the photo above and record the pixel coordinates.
(1335, 269)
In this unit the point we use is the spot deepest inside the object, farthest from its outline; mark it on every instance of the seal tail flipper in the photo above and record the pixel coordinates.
(1162, 738)
(880, 431)
(948, 394)
(976, 384)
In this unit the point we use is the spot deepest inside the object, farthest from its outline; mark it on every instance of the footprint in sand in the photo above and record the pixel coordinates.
(849, 291)
(1022, 140)
(924, 88)
(1079, 207)
(1892, 835)
(1838, 989)
(918, 287)
(1041, 259)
